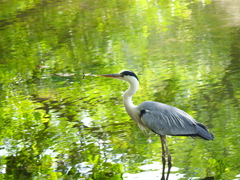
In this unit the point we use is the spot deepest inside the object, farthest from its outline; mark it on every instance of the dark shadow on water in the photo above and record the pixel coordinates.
(208, 178)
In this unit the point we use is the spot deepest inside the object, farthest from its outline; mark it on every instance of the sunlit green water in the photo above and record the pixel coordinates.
(55, 124)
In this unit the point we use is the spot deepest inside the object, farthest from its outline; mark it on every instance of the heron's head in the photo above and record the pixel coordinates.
(123, 75)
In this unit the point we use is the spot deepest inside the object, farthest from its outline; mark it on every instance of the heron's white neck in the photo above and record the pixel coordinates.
(129, 106)
(127, 98)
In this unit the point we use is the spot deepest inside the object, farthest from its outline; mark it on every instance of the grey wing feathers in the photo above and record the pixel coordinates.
(168, 120)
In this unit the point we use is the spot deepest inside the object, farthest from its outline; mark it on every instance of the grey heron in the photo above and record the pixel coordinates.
(160, 118)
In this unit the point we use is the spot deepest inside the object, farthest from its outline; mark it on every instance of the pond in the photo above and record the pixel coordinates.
(57, 123)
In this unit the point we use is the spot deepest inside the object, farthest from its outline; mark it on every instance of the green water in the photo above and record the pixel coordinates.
(57, 124)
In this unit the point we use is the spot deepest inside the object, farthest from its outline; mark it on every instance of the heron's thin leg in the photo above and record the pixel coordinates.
(163, 142)
(169, 160)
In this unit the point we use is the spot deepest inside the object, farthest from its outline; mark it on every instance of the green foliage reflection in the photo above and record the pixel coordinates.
(55, 124)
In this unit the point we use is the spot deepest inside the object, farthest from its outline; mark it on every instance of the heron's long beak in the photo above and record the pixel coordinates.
(111, 75)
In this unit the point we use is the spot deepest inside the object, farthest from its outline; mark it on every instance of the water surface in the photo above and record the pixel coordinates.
(55, 124)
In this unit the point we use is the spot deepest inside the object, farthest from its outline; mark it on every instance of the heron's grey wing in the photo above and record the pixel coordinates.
(168, 120)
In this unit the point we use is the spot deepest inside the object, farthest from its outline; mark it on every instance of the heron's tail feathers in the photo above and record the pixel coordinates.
(203, 133)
